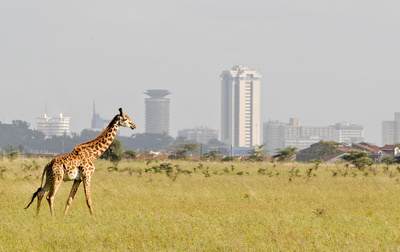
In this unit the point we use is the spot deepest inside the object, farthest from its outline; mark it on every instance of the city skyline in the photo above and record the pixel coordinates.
(293, 122)
(324, 62)
(155, 105)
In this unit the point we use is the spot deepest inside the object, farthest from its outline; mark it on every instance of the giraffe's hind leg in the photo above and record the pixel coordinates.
(45, 188)
(74, 188)
(40, 196)
(52, 192)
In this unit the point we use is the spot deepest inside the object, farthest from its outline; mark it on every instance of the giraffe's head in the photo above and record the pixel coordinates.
(124, 120)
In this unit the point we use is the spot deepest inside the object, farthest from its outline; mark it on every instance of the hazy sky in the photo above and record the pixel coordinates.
(321, 61)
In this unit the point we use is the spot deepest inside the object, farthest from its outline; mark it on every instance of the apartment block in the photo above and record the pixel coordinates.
(281, 135)
(200, 135)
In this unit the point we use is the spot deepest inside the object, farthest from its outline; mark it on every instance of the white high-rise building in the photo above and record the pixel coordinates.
(240, 107)
(53, 126)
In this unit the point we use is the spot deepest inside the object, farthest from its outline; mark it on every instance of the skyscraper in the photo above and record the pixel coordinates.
(157, 111)
(53, 126)
(389, 135)
(240, 106)
(98, 123)
(391, 130)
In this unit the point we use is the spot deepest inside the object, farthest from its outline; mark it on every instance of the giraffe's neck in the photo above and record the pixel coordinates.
(99, 145)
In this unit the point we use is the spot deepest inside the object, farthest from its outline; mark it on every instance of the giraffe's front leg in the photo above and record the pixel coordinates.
(86, 185)
(74, 189)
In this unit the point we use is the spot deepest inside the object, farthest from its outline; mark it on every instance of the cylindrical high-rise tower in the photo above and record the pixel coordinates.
(157, 111)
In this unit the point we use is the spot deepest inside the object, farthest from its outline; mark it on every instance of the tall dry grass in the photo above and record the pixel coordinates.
(208, 206)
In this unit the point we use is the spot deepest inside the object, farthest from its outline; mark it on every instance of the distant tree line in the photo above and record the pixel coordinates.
(18, 136)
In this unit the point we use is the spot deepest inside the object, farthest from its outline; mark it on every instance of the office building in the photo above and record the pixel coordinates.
(391, 130)
(240, 107)
(348, 133)
(157, 111)
(279, 135)
(200, 135)
(98, 123)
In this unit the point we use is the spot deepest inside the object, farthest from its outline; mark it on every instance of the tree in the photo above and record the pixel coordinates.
(286, 154)
(358, 158)
(13, 155)
(114, 152)
(388, 160)
(147, 141)
(213, 154)
(131, 154)
(18, 134)
(8, 148)
(327, 148)
(229, 159)
(21, 124)
(181, 150)
(258, 154)
(88, 135)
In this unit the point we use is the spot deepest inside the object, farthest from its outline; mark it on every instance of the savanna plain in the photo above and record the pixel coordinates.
(170, 205)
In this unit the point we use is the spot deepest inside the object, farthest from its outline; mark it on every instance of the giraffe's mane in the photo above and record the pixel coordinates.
(110, 125)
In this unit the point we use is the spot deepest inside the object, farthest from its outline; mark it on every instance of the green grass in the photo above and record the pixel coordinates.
(209, 206)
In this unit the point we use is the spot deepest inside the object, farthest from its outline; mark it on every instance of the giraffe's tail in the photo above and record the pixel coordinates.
(33, 197)
(40, 188)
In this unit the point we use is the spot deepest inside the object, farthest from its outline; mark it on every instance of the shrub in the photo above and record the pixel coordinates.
(13, 155)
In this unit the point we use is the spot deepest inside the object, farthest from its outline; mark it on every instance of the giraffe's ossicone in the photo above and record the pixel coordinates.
(78, 165)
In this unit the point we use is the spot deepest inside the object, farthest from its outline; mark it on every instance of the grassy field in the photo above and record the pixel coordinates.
(206, 206)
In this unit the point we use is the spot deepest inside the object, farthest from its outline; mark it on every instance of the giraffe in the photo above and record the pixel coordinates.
(78, 165)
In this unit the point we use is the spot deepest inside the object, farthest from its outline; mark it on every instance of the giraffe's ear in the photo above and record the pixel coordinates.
(121, 112)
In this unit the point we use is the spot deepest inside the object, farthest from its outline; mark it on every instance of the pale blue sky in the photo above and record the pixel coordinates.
(321, 61)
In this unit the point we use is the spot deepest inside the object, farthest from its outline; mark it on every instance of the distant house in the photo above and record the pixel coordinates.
(392, 150)
(376, 153)
(315, 151)
(337, 156)
(308, 154)
(367, 147)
